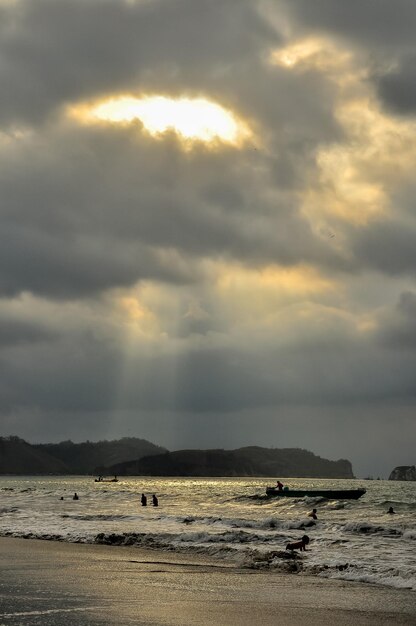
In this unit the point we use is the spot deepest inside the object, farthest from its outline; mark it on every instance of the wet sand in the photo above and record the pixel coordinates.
(61, 584)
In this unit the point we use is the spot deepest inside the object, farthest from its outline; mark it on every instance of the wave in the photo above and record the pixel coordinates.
(164, 542)
(399, 505)
(372, 529)
(6, 510)
(268, 523)
(409, 534)
(247, 549)
(97, 517)
(341, 569)
(393, 578)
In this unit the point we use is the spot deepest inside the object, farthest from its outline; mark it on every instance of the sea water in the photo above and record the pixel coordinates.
(227, 518)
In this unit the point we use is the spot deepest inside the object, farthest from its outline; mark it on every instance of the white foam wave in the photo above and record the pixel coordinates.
(206, 517)
(409, 534)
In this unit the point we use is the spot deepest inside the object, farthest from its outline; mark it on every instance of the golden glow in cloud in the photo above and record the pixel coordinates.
(261, 295)
(136, 317)
(192, 119)
(355, 178)
(299, 281)
(255, 302)
(313, 53)
(235, 298)
(358, 178)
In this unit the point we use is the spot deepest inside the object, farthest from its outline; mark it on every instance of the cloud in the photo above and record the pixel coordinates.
(52, 54)
(381, 25)
(396, 87)
(398, 328)
(77, 222)
(389, 247)
(198, 283)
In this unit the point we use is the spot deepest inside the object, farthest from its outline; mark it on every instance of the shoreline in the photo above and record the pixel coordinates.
(87, 584)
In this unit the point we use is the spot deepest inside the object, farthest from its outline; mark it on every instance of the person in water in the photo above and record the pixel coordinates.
(298, 545)
(279, 485)
(155, 501)
(313, 514)
(391, 511)
(75, 496)
(143, 500)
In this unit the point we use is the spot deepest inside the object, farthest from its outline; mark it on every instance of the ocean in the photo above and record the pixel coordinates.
(227, 518)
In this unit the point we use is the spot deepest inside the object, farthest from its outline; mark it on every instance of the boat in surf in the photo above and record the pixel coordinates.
(330, 494)
(100, 479)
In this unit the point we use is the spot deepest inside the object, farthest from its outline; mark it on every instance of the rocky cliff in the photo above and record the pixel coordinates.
(403, 472)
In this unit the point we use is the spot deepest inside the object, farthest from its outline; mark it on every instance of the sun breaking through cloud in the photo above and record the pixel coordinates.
(208, 212)
(193, 119)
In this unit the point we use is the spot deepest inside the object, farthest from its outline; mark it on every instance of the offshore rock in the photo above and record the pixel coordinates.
(403, 472)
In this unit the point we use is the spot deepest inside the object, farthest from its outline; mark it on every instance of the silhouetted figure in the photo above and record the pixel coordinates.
(279, 485)
(61, 498)
(313, 514)
(155, 501)
(75, 496)
(391, 511)
(143, 500)
(299, 545)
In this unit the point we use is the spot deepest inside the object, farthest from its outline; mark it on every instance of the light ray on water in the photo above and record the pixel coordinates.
(229, 518)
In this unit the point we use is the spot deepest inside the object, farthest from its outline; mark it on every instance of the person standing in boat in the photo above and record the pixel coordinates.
(279, 485)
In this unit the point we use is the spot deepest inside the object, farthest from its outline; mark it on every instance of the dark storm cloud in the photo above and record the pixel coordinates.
(77, 221)
(398, 329)
(85, 211)
(382, 24)
(16, 332)
(384, 31)
(142, 277)
(397, 88)
(388, 246)
(83, 372)
(52, 52)
(65, 376)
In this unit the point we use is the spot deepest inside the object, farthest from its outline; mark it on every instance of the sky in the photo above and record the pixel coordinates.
(208, 224)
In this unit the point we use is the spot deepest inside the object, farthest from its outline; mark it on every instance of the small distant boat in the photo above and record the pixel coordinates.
(330, 494)
(100, 479)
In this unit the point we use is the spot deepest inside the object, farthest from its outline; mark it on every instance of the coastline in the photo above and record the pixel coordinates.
(48, 582)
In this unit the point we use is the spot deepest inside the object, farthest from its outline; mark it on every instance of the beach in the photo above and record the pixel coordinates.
(62, 584)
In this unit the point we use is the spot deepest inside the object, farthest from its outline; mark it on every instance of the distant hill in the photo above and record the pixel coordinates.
(250, 461)
(403, 472)
(19, 457)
